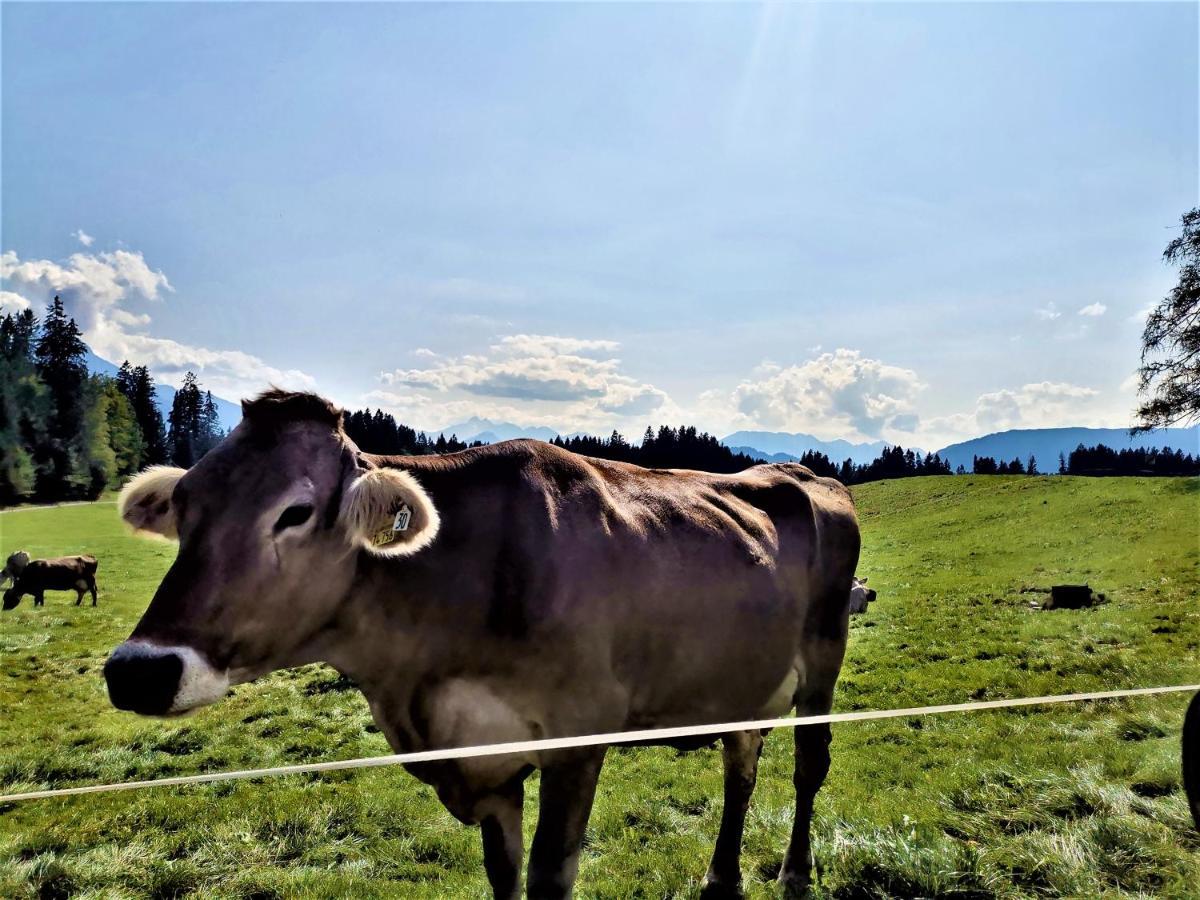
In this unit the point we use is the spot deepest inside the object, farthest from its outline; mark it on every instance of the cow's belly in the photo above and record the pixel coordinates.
(710, 656)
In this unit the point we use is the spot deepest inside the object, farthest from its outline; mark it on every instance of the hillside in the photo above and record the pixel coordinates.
(1080, 801)
(1047, 443)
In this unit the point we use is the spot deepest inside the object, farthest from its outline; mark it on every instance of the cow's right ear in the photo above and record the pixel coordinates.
(145, 502)
(388, 513)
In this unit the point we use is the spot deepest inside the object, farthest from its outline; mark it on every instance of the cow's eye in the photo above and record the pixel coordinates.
(293, 516)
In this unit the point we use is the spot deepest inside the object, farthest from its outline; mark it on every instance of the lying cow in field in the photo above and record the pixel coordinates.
(860, 596)
(505, 593)
(66, 573)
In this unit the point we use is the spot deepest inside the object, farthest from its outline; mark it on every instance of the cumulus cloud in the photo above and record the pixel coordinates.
(97, 290)
(538, 379)
(83, 237)
(1047, 313)
(10, 302)
(1093, 309)
(1043, 404)
(838, 394)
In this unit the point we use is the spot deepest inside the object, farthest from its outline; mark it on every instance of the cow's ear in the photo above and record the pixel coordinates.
(387, 513)
(145, 502)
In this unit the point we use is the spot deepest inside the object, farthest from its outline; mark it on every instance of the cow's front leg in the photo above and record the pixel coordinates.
(564, 805)
(503, 843)
(39, 599)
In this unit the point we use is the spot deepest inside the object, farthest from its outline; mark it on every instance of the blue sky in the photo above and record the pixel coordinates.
(914, 222)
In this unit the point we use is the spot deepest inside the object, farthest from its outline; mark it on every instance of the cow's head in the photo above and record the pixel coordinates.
(13, 568)
(270, 526)
(860, 595)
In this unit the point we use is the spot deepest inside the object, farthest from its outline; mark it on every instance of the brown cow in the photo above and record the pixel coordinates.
(508, 592)
(65, 573)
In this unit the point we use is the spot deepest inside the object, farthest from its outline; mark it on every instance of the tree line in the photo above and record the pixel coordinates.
(66, 434)
(687, 448)
(1104, 460)
(379, 432)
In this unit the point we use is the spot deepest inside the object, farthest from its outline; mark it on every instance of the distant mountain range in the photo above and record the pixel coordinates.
(229, 413)
(477, 429)
(782, 446)
(1047, 443)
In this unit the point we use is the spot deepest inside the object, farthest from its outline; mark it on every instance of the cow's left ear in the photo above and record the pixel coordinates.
(387, 513)
(145, 502)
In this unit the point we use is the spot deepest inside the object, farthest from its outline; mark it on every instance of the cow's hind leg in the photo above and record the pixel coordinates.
(503, 842)
(815, 697)
(92, 588)
(741, 750)
(565, 803)
(812, 765)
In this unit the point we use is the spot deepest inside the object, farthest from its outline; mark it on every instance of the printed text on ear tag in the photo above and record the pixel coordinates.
(403, 517)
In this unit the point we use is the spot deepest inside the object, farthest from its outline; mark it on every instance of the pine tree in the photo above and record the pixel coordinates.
(60, 356)
(1169, 377)
(208, 425)
(24, 408)
(184, 420)
(137, 385)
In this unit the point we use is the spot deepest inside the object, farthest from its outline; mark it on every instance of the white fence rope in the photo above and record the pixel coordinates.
(593, 740)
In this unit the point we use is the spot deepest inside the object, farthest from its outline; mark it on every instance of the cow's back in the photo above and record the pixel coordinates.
(60, 573)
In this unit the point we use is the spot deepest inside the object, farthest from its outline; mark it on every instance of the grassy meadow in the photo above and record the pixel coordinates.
(1066, 801)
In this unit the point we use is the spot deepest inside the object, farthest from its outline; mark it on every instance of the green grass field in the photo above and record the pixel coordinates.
(1079, 801)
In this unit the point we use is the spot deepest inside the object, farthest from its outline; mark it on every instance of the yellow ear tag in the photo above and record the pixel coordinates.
(385, 536)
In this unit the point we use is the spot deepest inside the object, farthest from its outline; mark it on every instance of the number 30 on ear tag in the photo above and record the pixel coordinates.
(403, 517)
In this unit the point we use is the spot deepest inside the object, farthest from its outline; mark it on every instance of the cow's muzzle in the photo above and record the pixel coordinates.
(11, 599)
(159, 681)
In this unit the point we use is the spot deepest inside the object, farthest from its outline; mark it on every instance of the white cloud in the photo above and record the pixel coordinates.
(1044, 404)
(1048, 313)
(97, 289)
(838, 394)
(12, 303)
(1093, 309)
(83, 237)
(569, 383)
(1143, 314)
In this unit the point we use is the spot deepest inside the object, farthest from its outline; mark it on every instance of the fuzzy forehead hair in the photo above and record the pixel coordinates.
(277, 407)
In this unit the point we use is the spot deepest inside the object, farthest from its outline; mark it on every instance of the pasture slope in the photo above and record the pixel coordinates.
(1065, 801)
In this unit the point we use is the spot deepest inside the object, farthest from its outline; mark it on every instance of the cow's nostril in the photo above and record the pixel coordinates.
(142, 681)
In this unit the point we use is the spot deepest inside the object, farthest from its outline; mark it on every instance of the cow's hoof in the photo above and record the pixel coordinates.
(721, 890)
(795, 887)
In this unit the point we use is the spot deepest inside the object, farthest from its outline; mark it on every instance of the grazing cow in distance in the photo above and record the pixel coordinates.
(36, 576)
(504, 593)
(860, 596)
